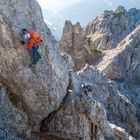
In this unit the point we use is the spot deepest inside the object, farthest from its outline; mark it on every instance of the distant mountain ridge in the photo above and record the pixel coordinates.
(82, 12)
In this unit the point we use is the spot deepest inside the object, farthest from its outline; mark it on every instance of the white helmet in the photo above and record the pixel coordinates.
(83, 85)
(27, 36)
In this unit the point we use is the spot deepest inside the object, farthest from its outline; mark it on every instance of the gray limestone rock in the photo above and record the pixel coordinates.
(45, 101)
(40, 88)
(105, 32)
(117, 105)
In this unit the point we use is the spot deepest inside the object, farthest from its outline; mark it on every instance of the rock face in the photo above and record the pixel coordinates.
(103, 33)
(79, 117)
(127, 52)
(72, 43)
(118, 106)
(46, 101)
(107, 30)
(116, 77)
(11, 117)
(122, 65)
(40, 89)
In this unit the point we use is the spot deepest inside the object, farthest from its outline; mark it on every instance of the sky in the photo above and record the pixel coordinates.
(56, 12)
(56, 5)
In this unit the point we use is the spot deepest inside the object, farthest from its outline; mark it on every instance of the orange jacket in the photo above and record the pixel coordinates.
(35, 36)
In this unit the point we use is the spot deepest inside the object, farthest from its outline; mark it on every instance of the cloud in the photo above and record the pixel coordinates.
(48, 22)
(110, 2)
(56, 5)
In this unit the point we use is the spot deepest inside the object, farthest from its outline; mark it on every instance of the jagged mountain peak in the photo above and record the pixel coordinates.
(121, 9)
(102, 33)
(111, 27)
(110, 42)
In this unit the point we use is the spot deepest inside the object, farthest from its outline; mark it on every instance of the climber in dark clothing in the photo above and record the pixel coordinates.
(87, 87)
(32, 41)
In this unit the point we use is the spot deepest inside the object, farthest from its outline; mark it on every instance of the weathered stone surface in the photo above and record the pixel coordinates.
(118, 106)
(107, 30)
(13, 122)
(72, 42)
(82, 117)
(121, 133)
(36, 102)
(41, 88)
(79, 117)
(122, 64)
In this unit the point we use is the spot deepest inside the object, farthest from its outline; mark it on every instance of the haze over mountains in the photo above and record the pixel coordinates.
(82, 11)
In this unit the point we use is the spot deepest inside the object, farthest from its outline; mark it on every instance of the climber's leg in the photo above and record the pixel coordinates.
(39, 53)
(31, 52)
(35, 56)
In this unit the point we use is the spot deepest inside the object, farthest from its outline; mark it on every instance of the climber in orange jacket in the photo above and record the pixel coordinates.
(32, 41)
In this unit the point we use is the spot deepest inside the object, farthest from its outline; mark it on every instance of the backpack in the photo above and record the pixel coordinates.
(35, 39)
(89, 87)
